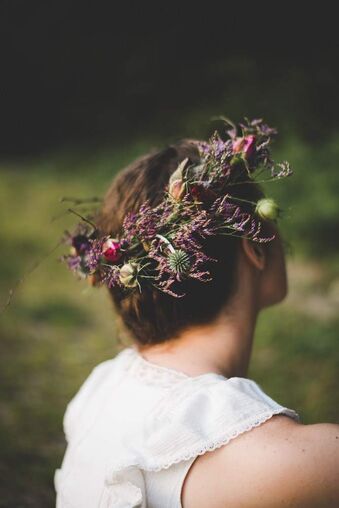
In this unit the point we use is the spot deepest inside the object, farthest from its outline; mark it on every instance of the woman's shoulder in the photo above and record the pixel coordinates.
(280, 463)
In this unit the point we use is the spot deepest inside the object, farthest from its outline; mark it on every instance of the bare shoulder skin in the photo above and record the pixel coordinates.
(281, 463)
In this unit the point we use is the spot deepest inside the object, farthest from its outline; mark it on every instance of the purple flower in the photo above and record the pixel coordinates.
(73, 262)
(81, 243)
(147, 222)
(93, 255)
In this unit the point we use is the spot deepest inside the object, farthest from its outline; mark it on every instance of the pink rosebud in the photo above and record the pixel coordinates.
(245, 145)
(111, 250)
(177, 189)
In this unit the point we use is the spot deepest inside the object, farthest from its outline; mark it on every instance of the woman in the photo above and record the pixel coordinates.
(173, 421)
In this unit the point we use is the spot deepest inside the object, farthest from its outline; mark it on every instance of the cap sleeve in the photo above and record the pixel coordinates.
(198, 415)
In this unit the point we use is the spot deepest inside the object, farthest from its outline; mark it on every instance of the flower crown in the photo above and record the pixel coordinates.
(161, 246)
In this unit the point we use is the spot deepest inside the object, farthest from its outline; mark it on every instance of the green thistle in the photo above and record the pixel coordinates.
(178, 261)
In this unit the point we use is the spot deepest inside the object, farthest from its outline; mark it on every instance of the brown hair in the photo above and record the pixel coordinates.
(153, 316)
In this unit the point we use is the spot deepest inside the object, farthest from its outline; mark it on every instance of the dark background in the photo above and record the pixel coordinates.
(85, 88)
(77, 72)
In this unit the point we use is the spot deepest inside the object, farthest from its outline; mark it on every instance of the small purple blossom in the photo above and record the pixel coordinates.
(81, 243)
(73, 262)
(94, 254)
(110, 276)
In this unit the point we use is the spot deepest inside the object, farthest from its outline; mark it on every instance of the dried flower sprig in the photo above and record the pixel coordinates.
(163, 245)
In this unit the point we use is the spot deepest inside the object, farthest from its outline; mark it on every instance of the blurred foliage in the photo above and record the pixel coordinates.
(57, 328)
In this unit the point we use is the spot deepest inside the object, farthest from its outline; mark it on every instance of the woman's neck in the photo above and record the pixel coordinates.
(223, 347)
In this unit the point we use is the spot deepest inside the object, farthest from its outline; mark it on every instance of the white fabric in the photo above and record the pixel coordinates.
(134, 428)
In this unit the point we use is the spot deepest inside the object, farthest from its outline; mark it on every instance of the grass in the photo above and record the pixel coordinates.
(57, 328)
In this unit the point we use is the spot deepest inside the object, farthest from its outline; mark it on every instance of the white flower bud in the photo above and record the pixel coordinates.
(128, 274)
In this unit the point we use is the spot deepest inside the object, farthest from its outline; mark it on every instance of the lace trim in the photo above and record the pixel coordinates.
(152, 373)
(216, 443)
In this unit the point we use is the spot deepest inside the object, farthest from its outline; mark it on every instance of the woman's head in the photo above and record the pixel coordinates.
(152, 316)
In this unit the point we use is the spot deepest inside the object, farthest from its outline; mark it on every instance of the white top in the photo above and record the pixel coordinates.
(134, 428)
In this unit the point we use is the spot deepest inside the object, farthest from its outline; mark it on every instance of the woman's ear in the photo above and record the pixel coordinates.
(254, 252)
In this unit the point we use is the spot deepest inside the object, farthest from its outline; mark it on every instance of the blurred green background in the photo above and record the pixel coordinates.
(96, 94)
